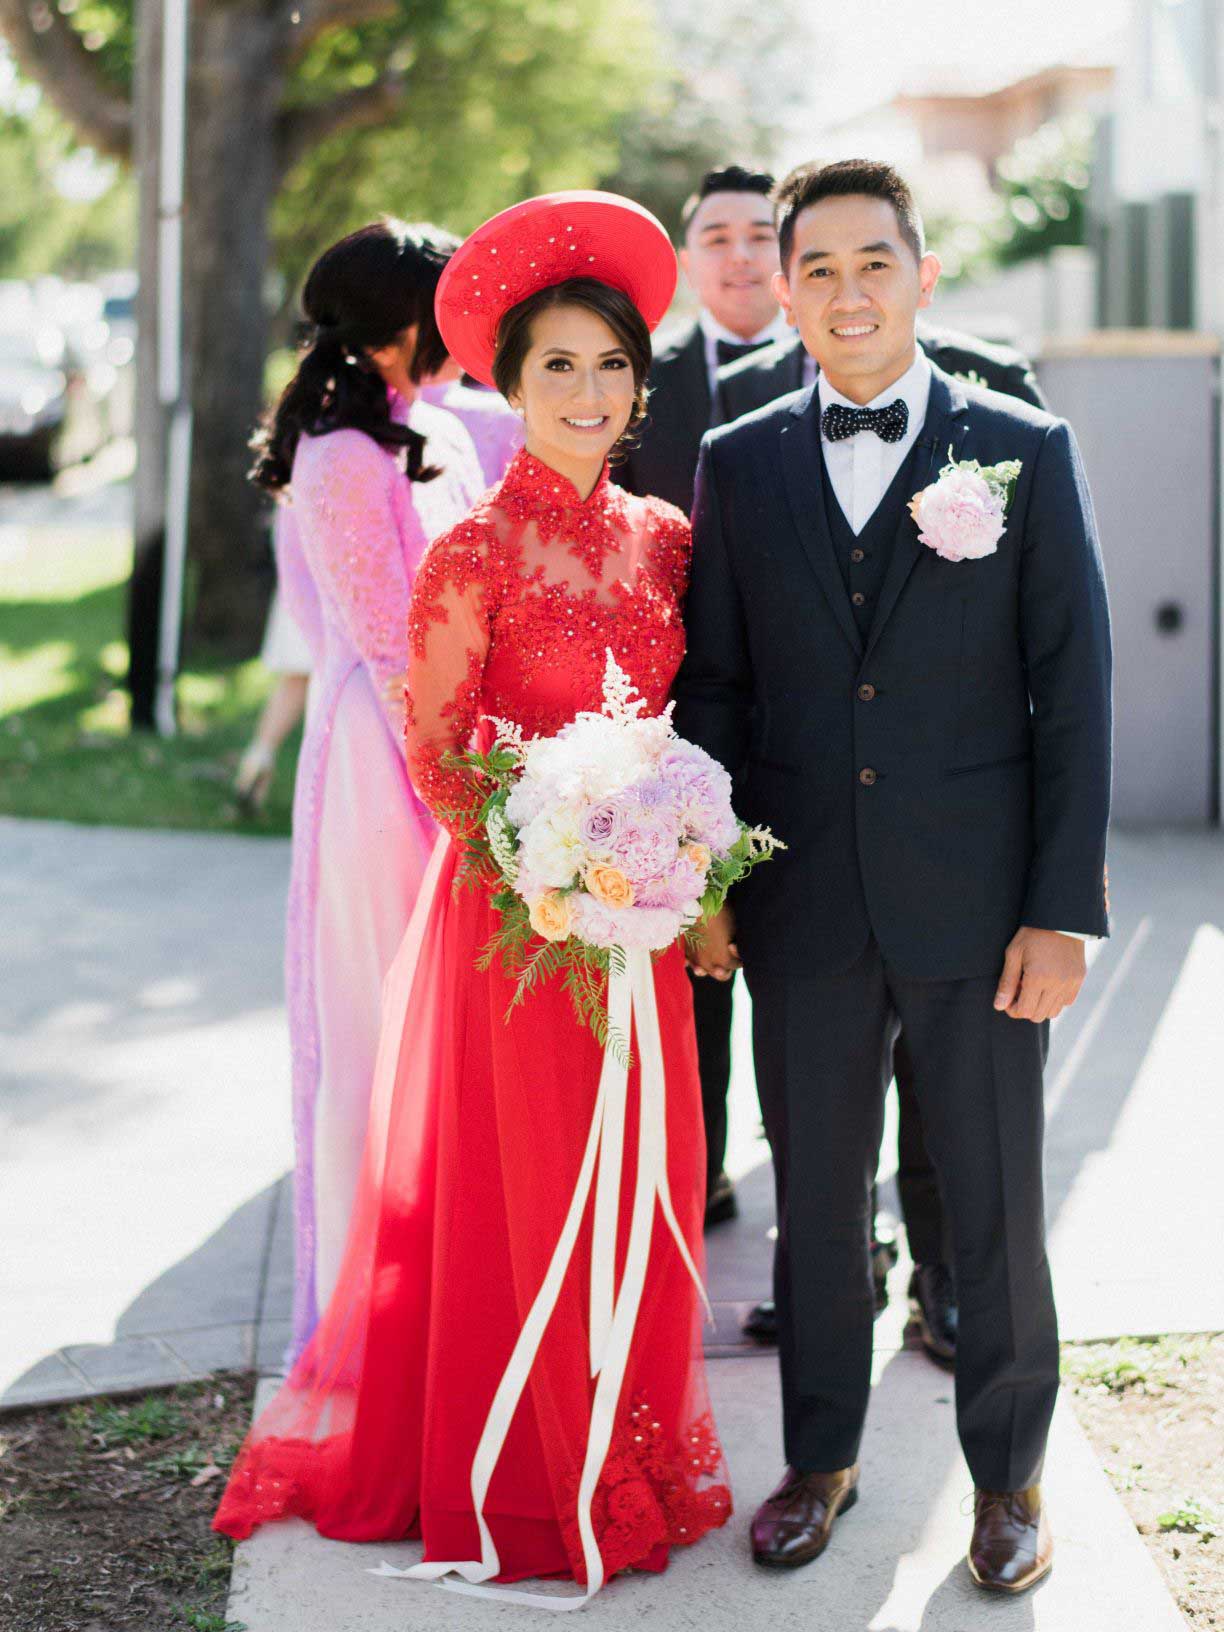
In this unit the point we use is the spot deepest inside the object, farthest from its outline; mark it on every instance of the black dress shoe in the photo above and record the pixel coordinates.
(762, 1322)
(884, 1256)
(794, 1525)
(932, 1295)
(721, 1204)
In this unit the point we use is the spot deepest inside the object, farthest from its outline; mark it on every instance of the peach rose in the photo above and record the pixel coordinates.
(551, 916)
(609, 886)
(698, 856)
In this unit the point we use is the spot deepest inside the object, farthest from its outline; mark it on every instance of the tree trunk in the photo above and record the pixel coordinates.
(237, 74)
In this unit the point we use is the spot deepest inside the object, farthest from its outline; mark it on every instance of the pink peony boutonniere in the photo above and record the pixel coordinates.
(962, 515)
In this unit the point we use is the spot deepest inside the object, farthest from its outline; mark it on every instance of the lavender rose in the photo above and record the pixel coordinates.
(601, 824)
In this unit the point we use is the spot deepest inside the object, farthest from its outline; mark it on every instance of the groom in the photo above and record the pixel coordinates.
(931, 738)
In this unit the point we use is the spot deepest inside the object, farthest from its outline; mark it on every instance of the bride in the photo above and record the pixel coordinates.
(424, 1405)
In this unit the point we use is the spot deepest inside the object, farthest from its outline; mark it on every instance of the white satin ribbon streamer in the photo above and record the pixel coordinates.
(631, 997)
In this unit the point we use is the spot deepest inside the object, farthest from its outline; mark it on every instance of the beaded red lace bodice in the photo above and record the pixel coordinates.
(512, 612)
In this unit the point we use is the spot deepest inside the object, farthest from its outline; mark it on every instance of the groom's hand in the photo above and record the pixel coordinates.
(1042, 974)
(715, 952)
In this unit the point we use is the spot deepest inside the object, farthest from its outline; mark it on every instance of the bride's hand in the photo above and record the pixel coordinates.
(715, 953)
(393, 691)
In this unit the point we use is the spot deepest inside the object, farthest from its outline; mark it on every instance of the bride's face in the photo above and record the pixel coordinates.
(575, 390)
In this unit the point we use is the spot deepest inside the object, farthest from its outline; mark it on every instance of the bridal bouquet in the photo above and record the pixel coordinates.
(613, 837)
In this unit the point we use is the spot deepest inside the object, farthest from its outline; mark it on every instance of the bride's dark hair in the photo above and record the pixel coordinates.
(360, 295)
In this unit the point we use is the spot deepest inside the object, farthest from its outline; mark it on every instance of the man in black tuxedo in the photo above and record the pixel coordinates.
(744, 386)
(931, 738)
(729, 256)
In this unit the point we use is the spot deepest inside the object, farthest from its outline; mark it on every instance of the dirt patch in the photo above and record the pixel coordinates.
(1154, 1411)
(105, 1510)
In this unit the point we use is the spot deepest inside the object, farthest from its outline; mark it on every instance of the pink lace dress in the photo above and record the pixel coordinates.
(494, 427)
(347, 551)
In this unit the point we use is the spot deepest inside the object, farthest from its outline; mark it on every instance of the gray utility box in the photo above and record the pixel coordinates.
(1144, 406)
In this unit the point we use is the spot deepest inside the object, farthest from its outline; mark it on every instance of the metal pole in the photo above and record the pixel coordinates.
(171, 375)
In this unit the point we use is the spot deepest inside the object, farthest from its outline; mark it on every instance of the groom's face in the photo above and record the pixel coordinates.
(853, 289)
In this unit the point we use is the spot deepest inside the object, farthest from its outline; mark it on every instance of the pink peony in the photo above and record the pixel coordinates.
(646, 846)
(702, 795)
(679, 890)
(652, 928)
(959, 517)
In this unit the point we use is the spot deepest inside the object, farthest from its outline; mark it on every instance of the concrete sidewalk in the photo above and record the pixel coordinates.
(143, 1107)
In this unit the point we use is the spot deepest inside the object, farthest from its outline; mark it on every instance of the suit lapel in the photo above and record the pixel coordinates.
(803, 475)
(946, 422)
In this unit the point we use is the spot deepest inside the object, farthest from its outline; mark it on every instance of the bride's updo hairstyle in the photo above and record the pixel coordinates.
(605, 301)
(360, 295)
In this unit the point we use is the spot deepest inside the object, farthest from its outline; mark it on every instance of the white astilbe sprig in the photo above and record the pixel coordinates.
(761, 841)
(620, 700)
(509, 735)
(502, 844)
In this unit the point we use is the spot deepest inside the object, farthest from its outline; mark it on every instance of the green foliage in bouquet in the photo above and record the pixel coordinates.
(488, 859)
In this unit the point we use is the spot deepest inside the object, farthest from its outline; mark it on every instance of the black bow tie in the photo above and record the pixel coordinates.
(838, 422)
(730, 351)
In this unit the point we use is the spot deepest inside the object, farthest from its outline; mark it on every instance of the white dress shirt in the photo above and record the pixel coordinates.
(713, 331)
(861, 468)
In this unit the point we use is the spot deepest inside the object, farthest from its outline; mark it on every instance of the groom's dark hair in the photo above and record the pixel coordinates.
(867, 178)
(731, 178)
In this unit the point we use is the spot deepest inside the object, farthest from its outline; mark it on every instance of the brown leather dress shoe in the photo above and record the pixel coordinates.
(1012, 1547)
(794, 1524)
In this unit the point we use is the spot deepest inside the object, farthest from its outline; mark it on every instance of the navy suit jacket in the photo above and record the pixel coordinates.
(663, 460)
(986, 714)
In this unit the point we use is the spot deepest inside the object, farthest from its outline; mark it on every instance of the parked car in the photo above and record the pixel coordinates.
(33, 398)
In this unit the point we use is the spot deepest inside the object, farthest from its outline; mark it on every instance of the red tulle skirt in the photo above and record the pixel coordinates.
(476, 1137)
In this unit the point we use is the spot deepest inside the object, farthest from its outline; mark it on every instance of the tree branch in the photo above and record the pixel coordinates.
(307, 19)
(51, 52)
(301, 129)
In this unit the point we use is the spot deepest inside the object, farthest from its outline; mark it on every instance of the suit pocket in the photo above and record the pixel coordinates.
(1021, 758)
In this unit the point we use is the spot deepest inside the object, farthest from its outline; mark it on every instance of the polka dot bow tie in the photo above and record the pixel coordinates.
(838, 422)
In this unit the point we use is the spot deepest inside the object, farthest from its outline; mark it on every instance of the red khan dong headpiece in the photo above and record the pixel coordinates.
(545, 241)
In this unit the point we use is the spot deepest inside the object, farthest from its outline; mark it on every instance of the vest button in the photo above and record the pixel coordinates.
(857, 555)
(858, 598)
(866, 693)
(867, 776)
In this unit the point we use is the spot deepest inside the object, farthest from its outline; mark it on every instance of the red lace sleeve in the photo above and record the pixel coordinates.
(673, 545)
(448, 641)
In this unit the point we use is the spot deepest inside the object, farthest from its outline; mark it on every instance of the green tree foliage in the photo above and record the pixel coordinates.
(503, 98)
(60, 209)
(471, 104)
(1043, 184)
(1041, 191)
(736, 72)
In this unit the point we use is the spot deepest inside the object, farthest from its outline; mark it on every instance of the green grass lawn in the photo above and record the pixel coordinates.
(65, 749)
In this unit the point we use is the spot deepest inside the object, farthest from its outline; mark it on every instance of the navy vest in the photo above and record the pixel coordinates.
(863, 558)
